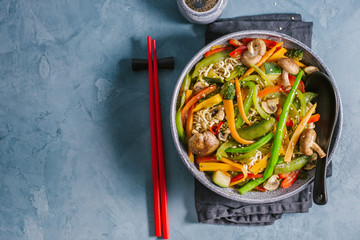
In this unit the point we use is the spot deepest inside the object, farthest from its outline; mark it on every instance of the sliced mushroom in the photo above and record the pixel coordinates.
(256, 49)
(218, 113)
(200, 85)
(288, 65)
(285, 80)
(270, 106)
(310, 69)
(308, 144)
(203, 144)
(247, 58)
(272, 183)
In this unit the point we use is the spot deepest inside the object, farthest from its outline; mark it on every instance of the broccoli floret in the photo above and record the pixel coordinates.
(295, 54)
(228, 91)
(239, 70)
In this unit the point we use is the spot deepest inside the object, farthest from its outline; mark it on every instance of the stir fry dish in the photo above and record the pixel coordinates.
(245, 117)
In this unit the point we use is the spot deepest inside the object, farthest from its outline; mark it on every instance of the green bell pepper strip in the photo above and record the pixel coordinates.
(220, 152)
(294, 114)
(179, 127)
(253, 146)
(244, 158)
(301, 98)
(185, 86)
(254, 78)
(257, 130)
(266, 82)
(210, 60)
(309, 96)
(277, 140)
(295, 164)
(281, 127)
(247, 104)
(258, 108)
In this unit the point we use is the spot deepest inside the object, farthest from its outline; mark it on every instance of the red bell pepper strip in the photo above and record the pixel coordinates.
(289, 123)
(206, 159)
(270, 89)
(301, 85)
(235, 43)
(238, 51)
(260, 188)
(240, 176)
(216, 50)
(314, 118)
(269, 43)
(290, 178)
(218, 128)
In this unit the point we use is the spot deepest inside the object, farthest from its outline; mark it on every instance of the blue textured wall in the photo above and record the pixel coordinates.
(74, 120)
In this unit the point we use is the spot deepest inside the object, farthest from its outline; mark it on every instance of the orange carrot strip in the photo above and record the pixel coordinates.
(229, 111)
(237, 165)
(240, 102)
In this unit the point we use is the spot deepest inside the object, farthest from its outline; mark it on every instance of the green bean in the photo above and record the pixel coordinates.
(295, 164)
(250, 185)
(247, 104)
(281, 128)
(210, 60)
(253, 146)
(257, 130)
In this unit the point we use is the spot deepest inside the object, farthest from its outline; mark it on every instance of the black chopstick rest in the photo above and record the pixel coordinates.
(141, 64)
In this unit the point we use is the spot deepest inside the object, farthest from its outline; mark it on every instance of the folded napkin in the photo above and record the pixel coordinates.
(213, 208)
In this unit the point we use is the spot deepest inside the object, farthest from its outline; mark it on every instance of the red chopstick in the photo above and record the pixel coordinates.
(163, 193)
(157, 148)
(154, 153)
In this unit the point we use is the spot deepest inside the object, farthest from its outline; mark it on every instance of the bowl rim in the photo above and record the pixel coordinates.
(181, 150)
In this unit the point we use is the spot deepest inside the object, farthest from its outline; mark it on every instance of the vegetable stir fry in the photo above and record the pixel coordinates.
(245, 116)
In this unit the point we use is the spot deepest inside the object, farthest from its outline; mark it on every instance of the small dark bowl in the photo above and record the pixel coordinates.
(310, 58)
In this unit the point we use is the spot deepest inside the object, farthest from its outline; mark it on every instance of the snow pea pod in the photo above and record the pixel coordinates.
(295, 164)
(309, 96)
(179, 127)
(244, 158)
(257, 130)
(221, 150)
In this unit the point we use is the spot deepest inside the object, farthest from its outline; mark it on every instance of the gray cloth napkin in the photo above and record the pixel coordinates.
(213, 208)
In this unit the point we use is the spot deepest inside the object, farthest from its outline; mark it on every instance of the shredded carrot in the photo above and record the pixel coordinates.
(297, 133)
(263, 59)
(240, 102)
(229, 111)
